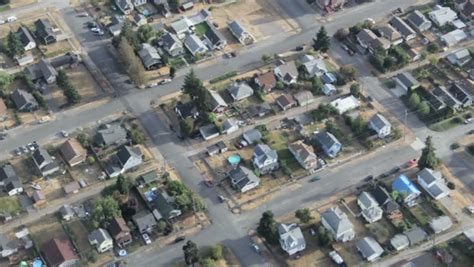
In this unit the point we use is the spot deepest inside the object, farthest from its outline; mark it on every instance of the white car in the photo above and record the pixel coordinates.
(11, 19)
(96, 30)
(146, 238)
(470, 209)
(256, 248)
(336, 257)
(99, 33)
(2, 21)
(64, 134)
(165, 81)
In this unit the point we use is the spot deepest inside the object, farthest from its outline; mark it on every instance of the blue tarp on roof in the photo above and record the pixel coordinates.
(403, 184)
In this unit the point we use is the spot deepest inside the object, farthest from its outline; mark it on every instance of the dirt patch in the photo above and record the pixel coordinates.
(45, 229)
(19, 3)
(84, 83)
(79, 235)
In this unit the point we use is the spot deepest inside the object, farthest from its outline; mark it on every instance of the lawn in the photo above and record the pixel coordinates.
(78, 233)
(445, 124)
(420, 215)
(176, 62)
(201, 28)
(10, 205)
(279, 140)
(45, 229)
(382, 231)
(4, 8)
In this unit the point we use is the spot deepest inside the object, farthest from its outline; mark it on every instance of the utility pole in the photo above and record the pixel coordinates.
(405, 122)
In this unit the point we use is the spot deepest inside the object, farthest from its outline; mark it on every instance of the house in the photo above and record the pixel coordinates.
(72, 188)
(415, 235)
(58, 252)
(186, 110)
(442, 94)
(101, 239)
(369, 249)
(336, 221)
(266, 81)
(150, 57)
(239, 90)
(329, 89)
(436, 103)
(414, 54)
(26, 38)
(313, 66)
(461, 94)
(67, 213)
(230, 125)
(399, 242)
(213, 37)
(407, 190)
(304, 98)
(453, 37)
(209, 131)
(407, 81)
(291, 238)
(45, 31)
(182, 27)
(172, 45)
(218, 105)
(440, 224)
(125, 6)
(265, 159)
(73, 153)
(442, 15)
(433, 183)
(286, 72)
(139, 19)
(137, 3)
(164, 207)
(115, 27)
(285, 102)
(407, 32)
(368, 40)
(145, 221)
(460, 57)
(24, 101)
(43, 71)
(380, 125)
(419, 21)
(110, 134)
(243, 179)
(252, 136)
(7, 247)
(195, 45)
(329, 78)
(38, 197)
(120, 232)
(304, 154)
(260, 110)
(370, 208)
(329, 143)
(129, 158)
(345, 104)
(466, 9)
(9, 180)
(147, 178)
(25, 59)
(44, 163)
(391, 34)
(239, 32)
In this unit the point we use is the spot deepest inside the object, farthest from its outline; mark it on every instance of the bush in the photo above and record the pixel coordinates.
(225, 76)
(216, 252)
(304, 215)
(83, 139)
(470, 149)
(454, 146)
(390, 83)
(433, 48)
(90, 160)
(451, 185)
(324, 236)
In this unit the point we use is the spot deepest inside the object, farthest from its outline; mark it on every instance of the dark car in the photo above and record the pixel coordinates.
(470, 132)
(299, 48)
(179, 239)
(369, 178)
(395, 170)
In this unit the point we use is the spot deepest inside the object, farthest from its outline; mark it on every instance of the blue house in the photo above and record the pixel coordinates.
(329, 143)
(407, 189)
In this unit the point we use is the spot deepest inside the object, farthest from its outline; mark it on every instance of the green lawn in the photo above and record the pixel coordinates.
(4, 8)
(10, 205)
(420, 215)
(176, 62)
(279, 140)
(201, 28)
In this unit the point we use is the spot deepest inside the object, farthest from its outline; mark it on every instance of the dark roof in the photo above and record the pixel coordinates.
(22, 98)
(326, 139)
(144, 220)
(285, 100)
(57, 251)
(447, 98)
(417, 18)
(126, 152)
(148, 177)
(379, 121)
(401, 26)
(117, 226)
(164, 205)
(460, 93)
(415, 235)
(208, 130)
(408, 80)
(381, 195)
(110, 133)
(24, 35)
(7, 173)
(169, 40)
(187, 109)
(213, 34)
(241, 176)
(67, 59)
(252, 136)
(44, 28)
(42, 156)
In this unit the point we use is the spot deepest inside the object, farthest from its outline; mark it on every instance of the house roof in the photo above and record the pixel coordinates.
(290, 235)
(67, 59)
(252, 135)
(169, 40)
(24, 35)
(326, 139)
(434, 180)
(6, 243)
(416, 18)
(337, 220)
(441, 224)
(460, 93)
(7, 173)
(117, 226)
(443, 14)
(285, 100)
(453, 37)
(239, 90)
(164, 205)
(415, 235)
(71, 149)
(267, 80)
(401, 26)
(71, 187)
(42, 157)
(399, 241)
(111, 133)
(288, 70)
(138, 18)
(445, 96)
(98, 236)
(22, 98)
(187, 109)
(381, 195)
(229, 123)
(194, 44)
(236, 28)
(181, 25)
(303, 96)
(313, 65)
(214, 35)
(241, 176)
(367, 36)
(367, 201)
(149, 177)
(57, 251)
(125, 153)
(403, 184)
(66, 210)
(345, 103)
(259, 109)
(38, 195)
(429, 176)
(209, 130)
(149, 55)
(302, 151)
(44, 27)
(368, 247)
(217, 100)
(144, 220)
(461, 56)
(379, 121)
(262, 152)
(389, 32)
(407, 79)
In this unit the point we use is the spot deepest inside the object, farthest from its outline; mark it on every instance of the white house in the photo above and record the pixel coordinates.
(433, 183)
(101, 239)
(291, 238)
(442, 15)
(369, 248)
(286, 72)
(345, 104)
(370, 207)
(336, 221)
(380, 125)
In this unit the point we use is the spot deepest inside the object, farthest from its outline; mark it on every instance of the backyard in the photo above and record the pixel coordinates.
(10, 205)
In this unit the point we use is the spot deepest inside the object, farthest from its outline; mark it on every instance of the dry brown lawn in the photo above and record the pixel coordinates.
(19, 3)
(84, 83)
(45, 229)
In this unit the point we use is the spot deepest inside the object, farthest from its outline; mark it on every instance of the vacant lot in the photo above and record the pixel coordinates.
(45, 229)
(78, 234)
(85, 84)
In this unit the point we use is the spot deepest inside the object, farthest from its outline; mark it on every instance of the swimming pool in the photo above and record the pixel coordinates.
(234, 159)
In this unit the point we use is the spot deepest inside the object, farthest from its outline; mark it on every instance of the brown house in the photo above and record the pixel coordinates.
(266, 81)
(120, 232)
(285, 102)
(58, 252)
(72, 152)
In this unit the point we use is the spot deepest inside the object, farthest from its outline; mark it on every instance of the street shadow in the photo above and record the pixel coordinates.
(462, 169)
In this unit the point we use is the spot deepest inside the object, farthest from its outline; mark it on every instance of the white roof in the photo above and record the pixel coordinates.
(345, 104)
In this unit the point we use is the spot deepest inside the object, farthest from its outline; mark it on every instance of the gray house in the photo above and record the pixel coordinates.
(26, 38)
(213, 37)
(101, 239)
(129, 158)
(369, 249)
(407, 32)
(416, 235)
(440, 224)
(461, 94)
(291, 238)
(240, 33)
(110, 134)
(172, 45)
(145, 221)
(314, 66)
(7, 246)
(380, 125)
(9, 180)
(125, 6)
(329, 143)
(265, 159)
(164, 207)
(43, 71)
(239, 91)
(443, 94)
(44, 163)
(24, 101)
(399, 242)
(252, 136)
(243, 179)
(460, 57)
(45, 32)
(407, 81)
(419, 21)
(336, 221)
(209, 131)
(195, 45)
(371, 210)
(150, 57)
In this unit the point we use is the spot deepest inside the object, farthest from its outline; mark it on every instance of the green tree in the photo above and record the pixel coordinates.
(187, 126)
(424, 108)
(123, 185)
(428, 157)
(173, 4)
(348, 72)
(208, 262)
(14, 45)
(216, 252)
(197, 92)
(355, 89)
(279, 85)
(172, 72)
(131, 62)
(161, 226)
(145, 33)
(266, 58)
(5, 80)
(316, 85)
(267, 228)
(433, 48)
(83, 140)
(433, 60)
(191, 253)
(69, 90)
(90, 160)
(325, 237)
(414, 100)
(137, 135)
(322, 41)
(358, 126)
(332, 128)
(304, 215)
(104, 210)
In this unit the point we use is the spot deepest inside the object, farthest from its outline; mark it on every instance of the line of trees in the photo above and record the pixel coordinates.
(131, 62)
(71, 93)
(14, 45)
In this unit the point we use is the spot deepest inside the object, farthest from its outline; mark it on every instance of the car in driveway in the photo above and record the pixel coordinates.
(146, 238)
(256, 248)
(347, 49)
(314, 179)
(96, 29)
(165, 81)
(179, 239)
(336, 257)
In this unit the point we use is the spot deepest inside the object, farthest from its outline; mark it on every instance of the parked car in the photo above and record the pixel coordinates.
(369, 178)
(11, 19)
(92, 24)
(314, 179)
(179, 239)
(165, 81)
(146, 238)
(64, 134)
(312, 232)
(221, 198)
(299, 48)
(2, 21)
(95, 29)
(336, 257)
(83, 14)
(470, 209)
(99, 33)
(256, 248)
(467, 121)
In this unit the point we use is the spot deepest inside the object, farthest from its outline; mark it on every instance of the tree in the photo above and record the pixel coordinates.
(161, 226)
(325, 237)
(90, 160)
(433, 60)
(145, 33)
(358, 126)
(266, 58)
(208, 262)
(191, 253)
(424, 108)
(355, 90)
(174, 4)
(131, 62)
(137, 135)
(348, 72)
(187, 126)
(83, 139)
(316, 85)
(414, 100)
(69, 90)
(104, 210)
(14, 45)
(267, 228)
(279, 85)
(322, 41)
(341, 34)
(123, 185)
(428, 157)
(216, 252)
(433, 48)
(172, 72)
(5, 80)
(197, 92)
(304, 215)
(332, 128)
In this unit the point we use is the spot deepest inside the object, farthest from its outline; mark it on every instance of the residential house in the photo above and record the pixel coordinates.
(313, 66)
(443, 94)
(217, 148)
(407, 189)
(150, 57)
(329, 78)
(391, 34)
(38, 197)
(338, 224)
(239, 32)
(252, 136)
(265, 159)
(414, 54)
(72, 188)
(101, 239)
(172, 45)
(369, 248)
(165, 207)
(419, 21)
(243, 179)
(285, 102)
(291, 238)
(286, 72)
(139, 19)
(230, 125)
(145, 221)
(407, 32)
(304, 98)
(453, 37)
(67, 213)
(266, 81)
(110, 134)
(186, 110)
(137, 3)
(24, 101)
(345, 104)
(435, 101)
(26, 38)
(125, 6)
(442, 15)
(45, 31)
(329, 89)
(120, 232)
(129, 158)
(407, 81)
(260, 110)
(460, 93)
(218, 105)
(73, 153)
(44, 162)
(43, 71)
(415, 235)
(239, 90)
(147, 178)
(440, 224)
(9, 180)
(329, 143)
(433, 183)
(209, 131)
(7, 247)
(195, 45)
(380, 125)
(182, 27)
(399, 242)
(368, 40)
(465, 8)
(58, 252)
(304, 154)
(370, 208)
(116, 25)
(460, 57)
(213, 37)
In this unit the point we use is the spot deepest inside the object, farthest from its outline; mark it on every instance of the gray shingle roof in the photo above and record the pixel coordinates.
(125, 153)
(415, 235)
(24, 35)
(379, 121)
(337, 220)
(402, 26)
(441, 224)
(144, 220)
(239, 90)
(98, 236)
(263, 152)
(149, 56)
(22, 99)
(326, 139)
(407, 79)
(110, 133)
(252, 136)
(368, 247)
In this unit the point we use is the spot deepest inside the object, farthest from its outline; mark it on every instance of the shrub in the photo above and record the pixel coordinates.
(451, 185)
(90, 160)
(454, 146)
(216, 252)
(225, 76)
(390, 83)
